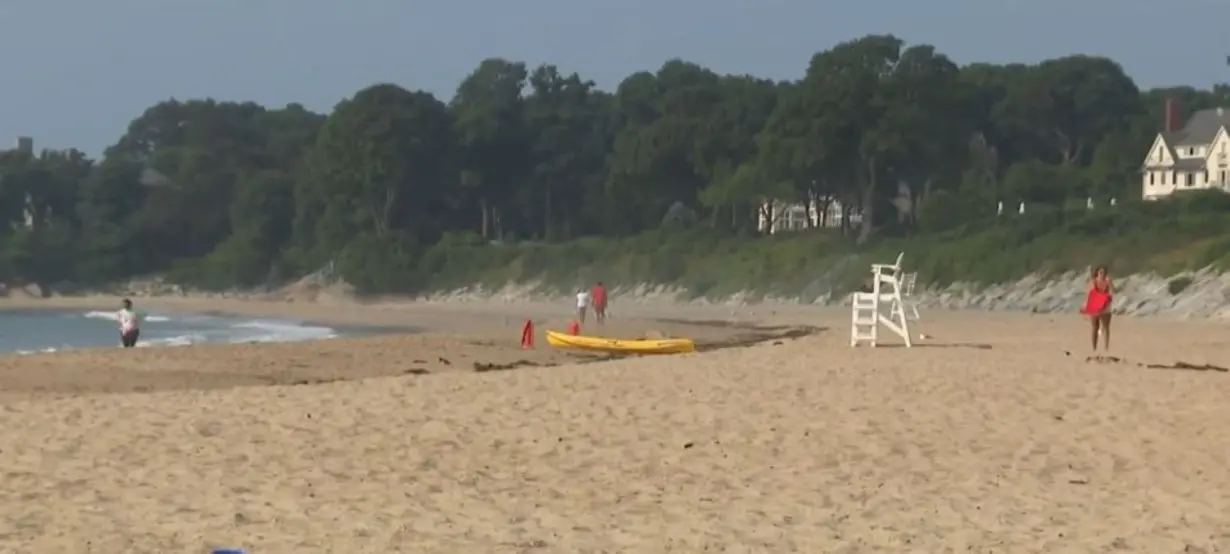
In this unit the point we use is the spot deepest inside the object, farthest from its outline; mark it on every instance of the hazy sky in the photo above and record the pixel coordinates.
(77, 71)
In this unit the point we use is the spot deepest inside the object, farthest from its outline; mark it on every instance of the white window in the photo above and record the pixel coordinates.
(1191, 179)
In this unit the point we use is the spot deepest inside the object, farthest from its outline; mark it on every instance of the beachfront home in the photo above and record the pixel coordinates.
(1196, 156)
(776, 216)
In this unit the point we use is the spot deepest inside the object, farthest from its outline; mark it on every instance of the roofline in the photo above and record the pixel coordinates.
(1221, 130)
(1161, 137)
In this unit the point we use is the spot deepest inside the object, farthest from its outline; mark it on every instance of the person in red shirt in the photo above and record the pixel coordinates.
(599, 298)
(1098, 305)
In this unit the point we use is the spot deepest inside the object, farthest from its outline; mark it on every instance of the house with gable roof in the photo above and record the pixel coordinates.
(1194, 157)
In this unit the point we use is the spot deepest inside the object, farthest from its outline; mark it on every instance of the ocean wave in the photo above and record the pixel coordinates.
(196, 329)
(113, 316)
(280, 331)
(180, 340)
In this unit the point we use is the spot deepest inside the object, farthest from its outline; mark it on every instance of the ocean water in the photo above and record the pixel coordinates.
(33, 331)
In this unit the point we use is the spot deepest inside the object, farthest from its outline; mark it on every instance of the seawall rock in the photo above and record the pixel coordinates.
(1206, 294)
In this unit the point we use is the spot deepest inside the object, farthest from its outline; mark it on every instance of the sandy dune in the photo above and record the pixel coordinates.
(1000, 437)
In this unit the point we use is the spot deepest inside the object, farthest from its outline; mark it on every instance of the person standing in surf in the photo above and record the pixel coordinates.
(1098, 306)
(130, 325)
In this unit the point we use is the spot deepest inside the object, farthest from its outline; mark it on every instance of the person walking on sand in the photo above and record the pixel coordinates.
(1098, 306)
(582, 305)
(130, 325)
(599, 298)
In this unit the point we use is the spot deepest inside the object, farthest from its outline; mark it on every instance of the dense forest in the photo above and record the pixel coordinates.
(233, 194)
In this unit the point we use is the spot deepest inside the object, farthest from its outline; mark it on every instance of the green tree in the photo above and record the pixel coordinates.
(569, 138)
(1067, 105)
(262, 214)
(658, 158)
(891, 110)
(234, 194)
(107, 203)
(493, 142)
(381, 164)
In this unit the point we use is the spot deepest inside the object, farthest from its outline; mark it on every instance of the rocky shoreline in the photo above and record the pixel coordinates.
(1200, 294)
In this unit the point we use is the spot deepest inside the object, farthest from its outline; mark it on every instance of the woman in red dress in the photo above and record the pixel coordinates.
(1097, 306)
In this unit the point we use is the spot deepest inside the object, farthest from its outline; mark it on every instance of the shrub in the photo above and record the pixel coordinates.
(1167, 237)
(381, 264)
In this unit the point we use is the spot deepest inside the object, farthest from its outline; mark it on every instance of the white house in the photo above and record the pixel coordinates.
(1194, 157)
(776, 216)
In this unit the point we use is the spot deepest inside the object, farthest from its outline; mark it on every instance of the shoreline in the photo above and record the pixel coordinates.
(402, 339)
(480, 316)
(172, 327)
(1138, 295)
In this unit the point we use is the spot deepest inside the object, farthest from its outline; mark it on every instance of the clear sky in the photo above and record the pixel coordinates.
(77, 71)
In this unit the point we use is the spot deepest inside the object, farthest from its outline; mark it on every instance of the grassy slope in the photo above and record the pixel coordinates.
(1165, 238)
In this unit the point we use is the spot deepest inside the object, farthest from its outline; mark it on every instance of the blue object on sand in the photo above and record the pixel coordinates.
(228, 551)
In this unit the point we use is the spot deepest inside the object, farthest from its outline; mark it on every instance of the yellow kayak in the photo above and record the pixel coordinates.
(617, 346)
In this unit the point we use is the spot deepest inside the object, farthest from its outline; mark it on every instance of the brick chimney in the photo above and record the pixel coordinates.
(1173, 121)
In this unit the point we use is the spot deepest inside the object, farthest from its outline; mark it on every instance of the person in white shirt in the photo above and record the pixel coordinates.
(582, 305)
(130, 325)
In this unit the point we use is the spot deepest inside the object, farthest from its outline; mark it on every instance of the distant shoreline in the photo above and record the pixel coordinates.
(226, 307)
(69, 307)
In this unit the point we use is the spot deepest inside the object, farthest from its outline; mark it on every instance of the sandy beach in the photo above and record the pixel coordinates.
(998, 435)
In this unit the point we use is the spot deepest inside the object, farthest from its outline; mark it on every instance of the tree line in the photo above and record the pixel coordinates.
(236, 194)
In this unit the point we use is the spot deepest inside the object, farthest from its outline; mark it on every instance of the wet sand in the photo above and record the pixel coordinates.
(997, 435)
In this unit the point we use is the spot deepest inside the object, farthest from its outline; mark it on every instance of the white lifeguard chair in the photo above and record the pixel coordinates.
(867, 314)
(909, 304)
